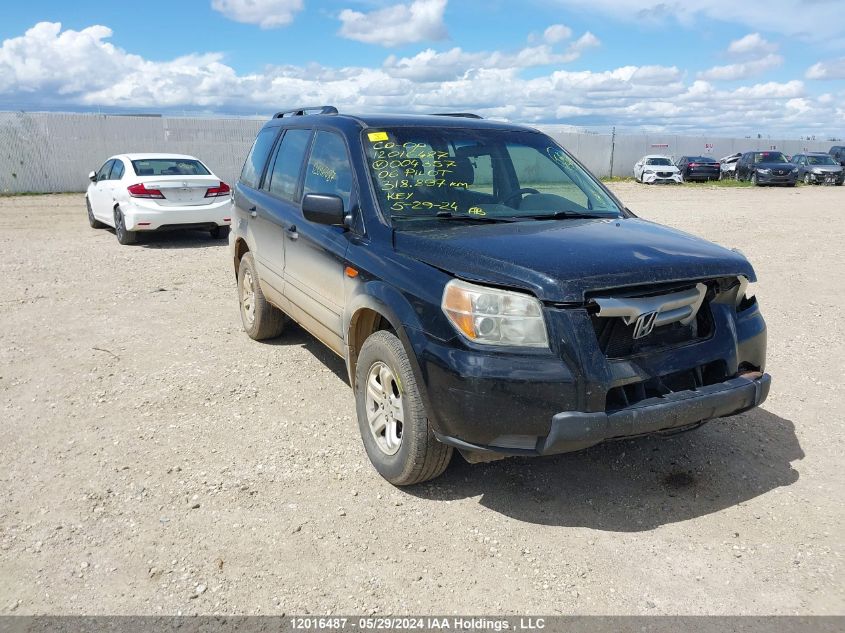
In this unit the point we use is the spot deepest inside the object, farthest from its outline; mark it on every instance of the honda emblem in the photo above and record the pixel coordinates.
(644, 324)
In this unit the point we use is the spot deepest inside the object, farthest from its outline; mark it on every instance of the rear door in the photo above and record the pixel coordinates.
(279, 211)
(315, 254)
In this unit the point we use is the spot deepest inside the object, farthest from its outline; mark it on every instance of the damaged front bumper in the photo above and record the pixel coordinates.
(664, 178)
(576, 430)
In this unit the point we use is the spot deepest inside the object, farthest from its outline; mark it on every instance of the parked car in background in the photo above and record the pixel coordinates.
(817, 168)
(838, 154)
(654, 168)
(487, 293)
(137, 193)
(727, 166)
(698, 168)
(766, 168)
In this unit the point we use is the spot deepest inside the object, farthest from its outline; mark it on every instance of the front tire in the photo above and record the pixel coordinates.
(754, 181)
(92, 221)
(807, 179)
(261, 319)
(391, 415)
(124, 237)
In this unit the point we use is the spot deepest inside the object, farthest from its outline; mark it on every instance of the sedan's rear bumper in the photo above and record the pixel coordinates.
(148, 216)
(575, 430)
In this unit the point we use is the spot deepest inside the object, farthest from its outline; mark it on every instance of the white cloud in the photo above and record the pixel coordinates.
(51, 68)
(808, 19)
(742, 70)
(830, 69)
(267, 14)
(751, 44)
(557, 33)
(395, 25)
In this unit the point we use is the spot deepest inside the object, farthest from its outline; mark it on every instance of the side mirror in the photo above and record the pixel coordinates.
(323, 208)
(92, 176)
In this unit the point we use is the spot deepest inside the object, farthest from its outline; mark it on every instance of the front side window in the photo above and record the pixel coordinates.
(288, 164)
(254, 165)
(486, 174)
(328, 169)
(103, 174)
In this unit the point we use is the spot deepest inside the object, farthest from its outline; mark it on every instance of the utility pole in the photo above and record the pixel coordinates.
(612, 148)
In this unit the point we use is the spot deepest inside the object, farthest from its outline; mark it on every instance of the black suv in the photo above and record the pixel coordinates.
(487, 293)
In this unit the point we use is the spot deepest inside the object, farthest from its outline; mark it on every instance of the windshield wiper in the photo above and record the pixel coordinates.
(559, 215)
(446, 215)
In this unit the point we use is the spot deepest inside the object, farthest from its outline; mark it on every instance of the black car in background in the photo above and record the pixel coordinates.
(698, 168)
(766, 168)
(838, 154)
(818, 168)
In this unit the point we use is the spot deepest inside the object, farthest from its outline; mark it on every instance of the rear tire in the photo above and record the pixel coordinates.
(124, 237)
(92, 221)
(261, 319)
(219, 232)
(390, 408)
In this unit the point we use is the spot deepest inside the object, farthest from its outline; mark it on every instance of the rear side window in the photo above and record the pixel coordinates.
(254, 165)
(328, 169)
(285, 175)
(117, 170)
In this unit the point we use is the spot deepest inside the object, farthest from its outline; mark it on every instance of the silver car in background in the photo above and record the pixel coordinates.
(818, 168)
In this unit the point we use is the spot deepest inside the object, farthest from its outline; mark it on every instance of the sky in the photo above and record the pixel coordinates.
(775, 68)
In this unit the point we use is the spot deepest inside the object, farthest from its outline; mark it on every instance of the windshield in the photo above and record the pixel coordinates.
(821, 160)
(769, 157)
(658, 161)
(435, 173)
(169, 167)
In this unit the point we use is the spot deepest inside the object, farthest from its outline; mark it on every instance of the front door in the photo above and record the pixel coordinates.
(315, 254)
(98, 193)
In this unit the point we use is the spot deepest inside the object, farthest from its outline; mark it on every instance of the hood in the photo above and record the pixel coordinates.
(561, 260)
(835, 169)
(671, 168)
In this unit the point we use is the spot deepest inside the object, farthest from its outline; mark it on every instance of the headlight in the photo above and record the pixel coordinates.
(649, 171)
(765, 171)
(494, 317)
(795, 170)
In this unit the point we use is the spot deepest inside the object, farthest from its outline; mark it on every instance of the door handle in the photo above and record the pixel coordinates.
(252, 211)
(292, 233)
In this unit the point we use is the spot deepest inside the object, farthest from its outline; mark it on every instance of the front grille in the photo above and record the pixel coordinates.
(616, 340)
(664, 174)
(687, 380)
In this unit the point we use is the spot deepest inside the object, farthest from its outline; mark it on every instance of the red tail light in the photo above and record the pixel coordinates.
(140, 191)
(222, 190)
(693, 164)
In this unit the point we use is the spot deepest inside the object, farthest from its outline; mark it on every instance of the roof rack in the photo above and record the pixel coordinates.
(466, 115)
(304, 111)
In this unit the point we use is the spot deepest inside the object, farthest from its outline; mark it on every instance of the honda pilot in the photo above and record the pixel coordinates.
(487, 293)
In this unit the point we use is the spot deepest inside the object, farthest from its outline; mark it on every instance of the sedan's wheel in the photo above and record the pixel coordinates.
(261, 320)
(92, 221)
(123, 236)
(754, 179)
(807, 179)
(219, 232)
(391, 415)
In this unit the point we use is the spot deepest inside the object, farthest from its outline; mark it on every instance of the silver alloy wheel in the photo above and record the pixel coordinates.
(385, 414)
(807, 180)
(248, 298)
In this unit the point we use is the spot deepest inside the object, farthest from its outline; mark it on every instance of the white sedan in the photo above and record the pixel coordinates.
(655, 168)
(136, 193)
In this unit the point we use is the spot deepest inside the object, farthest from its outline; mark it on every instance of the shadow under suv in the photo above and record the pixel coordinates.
(487, 293)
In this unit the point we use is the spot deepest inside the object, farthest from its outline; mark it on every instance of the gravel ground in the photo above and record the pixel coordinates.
(156, 460)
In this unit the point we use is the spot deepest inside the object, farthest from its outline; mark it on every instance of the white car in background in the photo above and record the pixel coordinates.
(655, 168)
(727, 166)
(136, 193)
